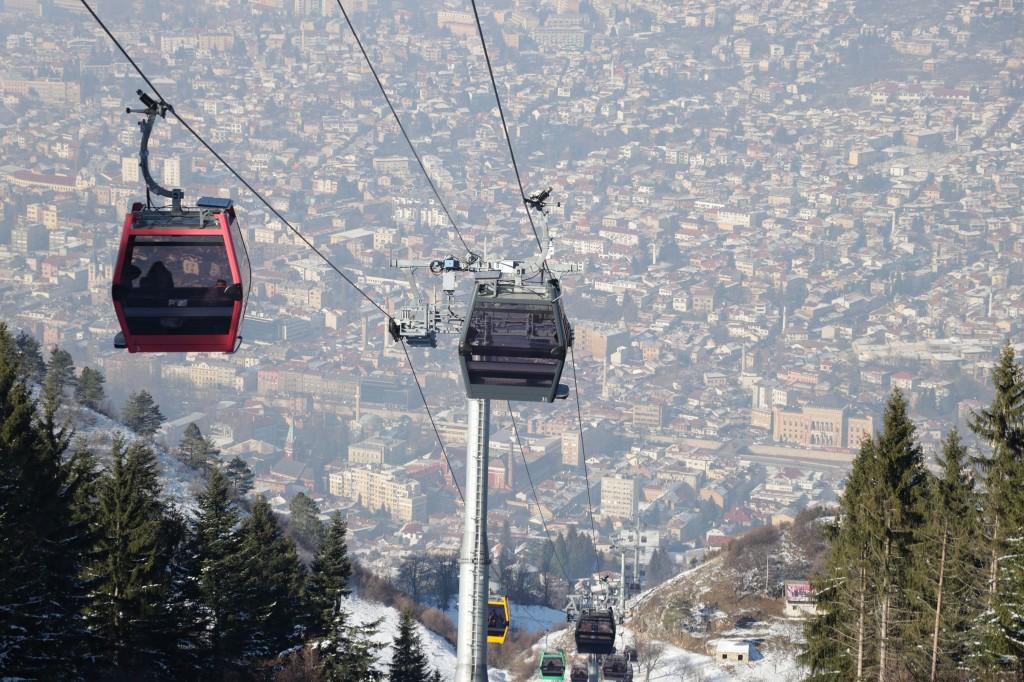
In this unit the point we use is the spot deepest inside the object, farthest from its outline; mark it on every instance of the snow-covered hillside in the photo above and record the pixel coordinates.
(440, 653)
(776, 639)
(176, 479)
(179, 482)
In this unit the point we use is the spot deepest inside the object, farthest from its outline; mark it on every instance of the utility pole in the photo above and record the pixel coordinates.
(622, 583)
(766, 555)
(474, 558)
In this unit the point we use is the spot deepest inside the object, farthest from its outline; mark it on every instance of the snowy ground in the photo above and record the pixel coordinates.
(439, 651)
(777, 664)
(776, 641)
(176, 479)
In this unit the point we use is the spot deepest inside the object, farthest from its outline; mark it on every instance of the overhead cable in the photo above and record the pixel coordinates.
(504, 127)
(536, 499)
(405, 134)
(230, 168)
(433, 424)
(583, 449)
(280, 217)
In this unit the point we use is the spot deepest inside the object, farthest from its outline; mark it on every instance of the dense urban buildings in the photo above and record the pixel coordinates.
(780, 214)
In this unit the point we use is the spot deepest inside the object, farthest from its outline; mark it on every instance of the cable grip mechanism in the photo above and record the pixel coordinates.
(152, 110)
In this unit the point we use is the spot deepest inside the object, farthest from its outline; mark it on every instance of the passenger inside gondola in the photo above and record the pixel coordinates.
(159, 278)
(185, 289)
(552, 666)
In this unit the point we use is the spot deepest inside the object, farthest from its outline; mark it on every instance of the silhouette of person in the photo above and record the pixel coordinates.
(159, 278)
(130, 273)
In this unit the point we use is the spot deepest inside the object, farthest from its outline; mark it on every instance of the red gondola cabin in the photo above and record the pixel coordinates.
(179, 280)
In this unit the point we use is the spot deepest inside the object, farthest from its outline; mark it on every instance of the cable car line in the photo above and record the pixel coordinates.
(163, 103)
(473, 255)
(125, 53)
(433, 424)
(583, 452)
(278, 215)
(170, 109)
(504, 126)
(536, 499)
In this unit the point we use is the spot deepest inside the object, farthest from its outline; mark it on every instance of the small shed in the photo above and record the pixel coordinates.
(735, 651)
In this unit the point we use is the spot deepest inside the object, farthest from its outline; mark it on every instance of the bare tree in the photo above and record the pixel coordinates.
(445, 572)
(649, 650)
(414, 576)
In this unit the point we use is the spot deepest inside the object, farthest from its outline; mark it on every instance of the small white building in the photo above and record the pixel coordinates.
(735, 651)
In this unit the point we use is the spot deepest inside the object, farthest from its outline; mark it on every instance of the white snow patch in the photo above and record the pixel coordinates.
(439, 652)
(176, 479)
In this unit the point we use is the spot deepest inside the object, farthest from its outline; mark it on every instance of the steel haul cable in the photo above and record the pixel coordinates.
(280, 217)
(536, 499)
(405, 134)
(583, 453)
(504, 127)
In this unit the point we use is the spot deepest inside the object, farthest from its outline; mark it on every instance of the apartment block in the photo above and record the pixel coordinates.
(378, 488)
(619, 496)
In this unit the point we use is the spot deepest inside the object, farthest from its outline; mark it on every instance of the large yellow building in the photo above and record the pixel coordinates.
(377, 488)
(819, 427)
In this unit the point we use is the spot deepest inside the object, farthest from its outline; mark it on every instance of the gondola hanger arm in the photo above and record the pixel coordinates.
(152, 110)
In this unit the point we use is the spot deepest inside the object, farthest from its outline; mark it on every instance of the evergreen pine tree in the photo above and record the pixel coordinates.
(863, 594)
(84, 469)
(31, 368)
(561, 548)
(44, 544)
(221, 590)
(949, 587)
(186, 644)
(839, 636)
(329, 575)
(142, 414)
(660, 568)
(349, 654)
(273, 585)
(1001, 426)
(408, 662)
(195, 449)
(896, 501)
(131, 571)
(304, 520)
(60, 371)
(506, 557)
(89, 390)
(239, 475)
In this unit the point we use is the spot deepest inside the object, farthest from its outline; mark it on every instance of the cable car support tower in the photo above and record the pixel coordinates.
(513, 343)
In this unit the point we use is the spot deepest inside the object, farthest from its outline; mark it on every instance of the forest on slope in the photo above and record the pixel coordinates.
(105, 579)
(924, 573)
